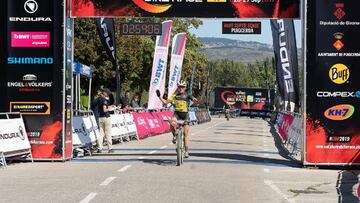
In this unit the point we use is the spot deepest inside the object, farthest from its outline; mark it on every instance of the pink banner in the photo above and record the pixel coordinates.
(165, 120)
(142, 125)
(177, 57)
(285, 124)
(158, 75)
(30, 39)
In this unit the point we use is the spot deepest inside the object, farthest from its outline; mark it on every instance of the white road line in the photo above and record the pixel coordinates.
(266, 170)
(152, 152)
(141, 157)
(107, 181)
(123, 169)
(266, 155)
(277, 190)
(163, 147)
(88, 198)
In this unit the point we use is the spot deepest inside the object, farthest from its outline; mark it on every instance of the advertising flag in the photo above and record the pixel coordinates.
(158, 75)
(177, 57)
(286, 61)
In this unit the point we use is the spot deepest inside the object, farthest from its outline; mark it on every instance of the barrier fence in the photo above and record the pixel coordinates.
(139, 124)
(13, 138)
(289, 127)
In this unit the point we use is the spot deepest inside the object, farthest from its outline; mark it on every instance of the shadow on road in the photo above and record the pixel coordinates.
(347, 186)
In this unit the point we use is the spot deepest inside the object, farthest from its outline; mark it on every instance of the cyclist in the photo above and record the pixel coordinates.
(181, 106)
(226, 109)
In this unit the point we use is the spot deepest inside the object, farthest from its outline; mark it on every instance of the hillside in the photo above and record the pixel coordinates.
(237, 50)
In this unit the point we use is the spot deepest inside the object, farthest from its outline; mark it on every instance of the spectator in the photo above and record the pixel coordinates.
(125, 101)
(105, 120)
(135, 102)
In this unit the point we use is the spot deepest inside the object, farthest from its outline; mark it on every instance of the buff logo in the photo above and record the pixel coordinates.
(174, 75)
(339, 112)
(339, 73)
(30, 60)
(159, 71)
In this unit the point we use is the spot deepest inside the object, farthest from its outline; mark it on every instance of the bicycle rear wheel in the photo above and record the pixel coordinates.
(179, 152)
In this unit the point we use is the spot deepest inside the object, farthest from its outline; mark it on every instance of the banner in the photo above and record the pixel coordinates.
(284, 126)
(33, 73)
(245, 98)
(106, 30)
(13, 136)
(332, 85)
(158, 75)
(177, 57)
(85, 131)
(142, 125)
(286, 60)
(198, 8)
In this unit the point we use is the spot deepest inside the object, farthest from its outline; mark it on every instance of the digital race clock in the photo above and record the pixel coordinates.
(140, 28)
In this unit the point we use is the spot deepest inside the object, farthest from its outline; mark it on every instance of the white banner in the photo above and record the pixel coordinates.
(129, 118)
(119, 127)
(85, 131)
(158, 75)
(13, 135)
(177, 57)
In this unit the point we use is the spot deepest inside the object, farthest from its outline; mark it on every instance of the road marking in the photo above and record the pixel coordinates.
(152, 152)
(107, 181)
(141, 157)
(88, 198)
(277, 190)
(266, 170)
(123, 169)
(163, 147)
(266, 155)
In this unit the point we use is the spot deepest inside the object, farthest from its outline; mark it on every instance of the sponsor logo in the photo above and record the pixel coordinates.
(30, 6)
(12, 135)
(30, 39)
(29, 77)
(338, 44)
(159, 72)
(174, 76)
(29, 84)
(339, 12)
(30, 60)
(29, 19)
(284, 58)
(250, 98)
(339, 73)
(338, 94)
(339, 112)
(107, 37)
(339, 138)
(30, 108)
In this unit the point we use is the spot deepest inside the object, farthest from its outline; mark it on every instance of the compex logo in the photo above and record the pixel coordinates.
(30, 6)
(339, 112)
(339, 73)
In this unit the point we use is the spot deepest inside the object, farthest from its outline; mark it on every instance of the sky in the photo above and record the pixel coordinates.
(213, 28)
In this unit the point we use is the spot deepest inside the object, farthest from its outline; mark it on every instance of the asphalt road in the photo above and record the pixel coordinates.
(230, 161)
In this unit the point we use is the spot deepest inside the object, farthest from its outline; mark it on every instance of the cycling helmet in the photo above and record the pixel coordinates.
(181, 83)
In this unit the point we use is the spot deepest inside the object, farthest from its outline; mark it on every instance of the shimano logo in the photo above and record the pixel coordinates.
(30, 60)
(29, 19)
(338, 94)
(284, 58)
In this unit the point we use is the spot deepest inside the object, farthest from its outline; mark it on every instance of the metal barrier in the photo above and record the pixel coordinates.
(15, 148)
(2, 160)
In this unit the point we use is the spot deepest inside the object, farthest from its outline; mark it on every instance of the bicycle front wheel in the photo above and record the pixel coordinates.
(179, 149)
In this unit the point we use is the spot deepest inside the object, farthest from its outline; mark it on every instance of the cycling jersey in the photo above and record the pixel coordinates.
(181, 101)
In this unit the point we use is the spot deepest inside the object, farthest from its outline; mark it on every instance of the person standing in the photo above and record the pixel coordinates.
(105, 120)
(135, 102)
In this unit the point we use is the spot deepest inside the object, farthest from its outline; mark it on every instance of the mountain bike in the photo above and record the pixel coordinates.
(180, 143)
